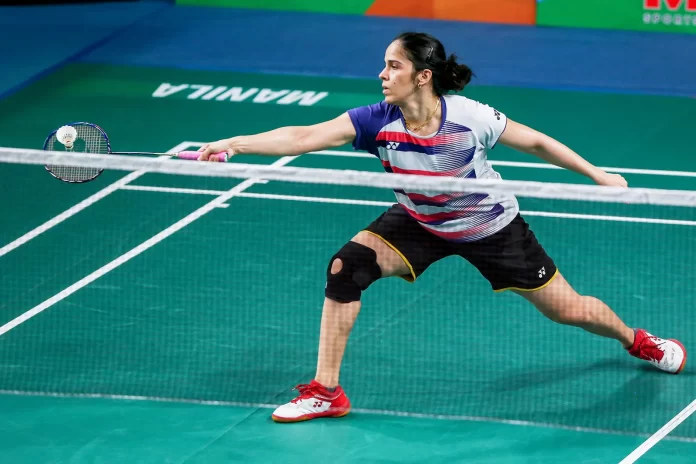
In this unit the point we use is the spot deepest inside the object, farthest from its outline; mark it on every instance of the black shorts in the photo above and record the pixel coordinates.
(512, 258)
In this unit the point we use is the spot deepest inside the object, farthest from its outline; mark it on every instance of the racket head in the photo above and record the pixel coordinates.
(90, 139)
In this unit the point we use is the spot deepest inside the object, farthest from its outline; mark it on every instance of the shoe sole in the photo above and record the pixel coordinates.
(683, 363)
(285, 420)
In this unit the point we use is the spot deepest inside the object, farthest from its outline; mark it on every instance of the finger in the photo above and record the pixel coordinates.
(204, 155)
(204, 147)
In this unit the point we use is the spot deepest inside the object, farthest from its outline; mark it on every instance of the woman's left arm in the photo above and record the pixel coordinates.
(528, 140)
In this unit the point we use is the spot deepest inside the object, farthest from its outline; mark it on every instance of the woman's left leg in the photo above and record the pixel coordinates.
(561, 303)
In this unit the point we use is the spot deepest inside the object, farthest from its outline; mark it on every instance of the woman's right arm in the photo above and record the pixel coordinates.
(291, 140)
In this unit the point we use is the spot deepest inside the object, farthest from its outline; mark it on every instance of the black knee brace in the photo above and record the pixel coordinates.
(359, 270)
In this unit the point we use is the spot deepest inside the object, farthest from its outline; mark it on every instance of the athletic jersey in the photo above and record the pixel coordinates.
(458, 149)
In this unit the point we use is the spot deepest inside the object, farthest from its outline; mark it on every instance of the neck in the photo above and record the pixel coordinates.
(420, 107)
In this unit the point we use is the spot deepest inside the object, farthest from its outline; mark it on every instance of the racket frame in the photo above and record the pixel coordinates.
(79, 123)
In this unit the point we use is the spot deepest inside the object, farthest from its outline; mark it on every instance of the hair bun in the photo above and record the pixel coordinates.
(451, 62)
(426, 52)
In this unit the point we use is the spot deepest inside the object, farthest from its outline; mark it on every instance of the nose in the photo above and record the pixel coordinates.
(384, 75)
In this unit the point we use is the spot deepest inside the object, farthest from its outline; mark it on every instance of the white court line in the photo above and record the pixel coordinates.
(516, 164)
(266, 196)
(147, 188)
(650, 172)
(80, 206)
(217, 202)
(594, 217)
(376, 412)
(346, 201)
(660, 434)
(520, 164)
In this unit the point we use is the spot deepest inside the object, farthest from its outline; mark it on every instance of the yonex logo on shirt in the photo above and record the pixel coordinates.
(392, 145)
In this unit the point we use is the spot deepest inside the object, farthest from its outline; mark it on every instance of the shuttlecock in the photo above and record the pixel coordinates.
(66, 135)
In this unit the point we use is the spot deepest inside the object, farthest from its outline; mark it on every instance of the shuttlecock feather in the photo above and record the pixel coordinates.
(66, 135)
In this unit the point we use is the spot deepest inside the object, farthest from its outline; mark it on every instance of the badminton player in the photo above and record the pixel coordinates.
(421, 128)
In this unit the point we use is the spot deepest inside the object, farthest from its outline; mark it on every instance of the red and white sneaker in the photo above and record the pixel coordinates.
(314, 401)
(668, 355)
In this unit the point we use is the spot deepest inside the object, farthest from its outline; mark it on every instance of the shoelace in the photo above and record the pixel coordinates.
(653, 351)
(306, 391)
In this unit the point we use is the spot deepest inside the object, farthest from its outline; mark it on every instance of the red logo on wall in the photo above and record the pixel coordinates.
(673, 5)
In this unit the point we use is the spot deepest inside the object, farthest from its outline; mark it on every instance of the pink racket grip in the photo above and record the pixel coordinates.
(194, 155)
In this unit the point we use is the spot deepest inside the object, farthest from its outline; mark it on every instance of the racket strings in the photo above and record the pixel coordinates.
(89, 140)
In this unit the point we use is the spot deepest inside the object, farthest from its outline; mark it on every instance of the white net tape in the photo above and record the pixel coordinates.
(546, 190)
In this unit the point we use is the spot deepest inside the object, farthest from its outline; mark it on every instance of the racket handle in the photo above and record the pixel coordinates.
(193, 155)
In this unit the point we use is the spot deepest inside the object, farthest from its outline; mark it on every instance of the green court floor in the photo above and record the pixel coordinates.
(178, 353)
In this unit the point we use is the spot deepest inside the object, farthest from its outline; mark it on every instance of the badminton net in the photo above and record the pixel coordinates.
(204, 282)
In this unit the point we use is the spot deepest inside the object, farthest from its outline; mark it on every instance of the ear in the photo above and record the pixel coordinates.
(423, 77)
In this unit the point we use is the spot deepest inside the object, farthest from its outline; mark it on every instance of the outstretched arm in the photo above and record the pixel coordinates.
(528, 140)
(291, 140)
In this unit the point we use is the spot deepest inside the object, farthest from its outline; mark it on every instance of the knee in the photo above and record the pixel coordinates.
(336, 266)
(351, 271)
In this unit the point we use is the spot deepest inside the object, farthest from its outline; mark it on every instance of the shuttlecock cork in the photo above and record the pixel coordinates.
(66, 135)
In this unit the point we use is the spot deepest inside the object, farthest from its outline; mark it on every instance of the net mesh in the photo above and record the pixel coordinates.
(205, 282)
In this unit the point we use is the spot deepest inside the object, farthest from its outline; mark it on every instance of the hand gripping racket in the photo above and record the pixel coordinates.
(84, 137)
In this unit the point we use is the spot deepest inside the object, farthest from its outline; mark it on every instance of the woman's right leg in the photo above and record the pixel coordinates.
(338, 318)
(366, 258)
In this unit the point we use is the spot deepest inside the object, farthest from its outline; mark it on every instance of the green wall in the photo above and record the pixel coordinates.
(616, 14)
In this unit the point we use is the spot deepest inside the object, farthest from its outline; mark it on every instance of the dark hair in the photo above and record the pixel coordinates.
(426, 52)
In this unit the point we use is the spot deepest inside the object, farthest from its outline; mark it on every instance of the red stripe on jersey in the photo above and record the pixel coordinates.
(458, 235)
(433, 217)
(442, 139)
(397, 170)
(436, 199)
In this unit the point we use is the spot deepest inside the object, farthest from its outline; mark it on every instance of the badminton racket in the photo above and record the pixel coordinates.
(85, 137)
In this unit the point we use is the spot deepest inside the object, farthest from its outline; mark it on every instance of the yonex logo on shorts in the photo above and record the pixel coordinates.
(542, 272)
(392, 145)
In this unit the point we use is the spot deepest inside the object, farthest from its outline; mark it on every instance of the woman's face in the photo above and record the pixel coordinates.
(398, 80)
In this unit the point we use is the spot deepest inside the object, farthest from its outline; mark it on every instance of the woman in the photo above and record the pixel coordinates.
(420, 129)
